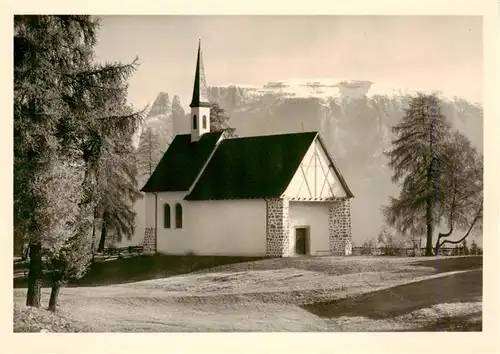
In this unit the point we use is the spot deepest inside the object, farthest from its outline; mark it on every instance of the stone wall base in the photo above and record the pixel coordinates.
(339, 225)
(278, 230)
(149, 242)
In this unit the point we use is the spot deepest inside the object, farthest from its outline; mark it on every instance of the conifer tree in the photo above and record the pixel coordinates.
(178, 114)
(414, 157)
(65, 105)
(219, 121)
(474, 248)
(462, 183)
(118, 181)
(148, 153)
(156, 136)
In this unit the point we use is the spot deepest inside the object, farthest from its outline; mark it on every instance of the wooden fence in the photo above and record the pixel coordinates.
(404, 252)
(120, 251)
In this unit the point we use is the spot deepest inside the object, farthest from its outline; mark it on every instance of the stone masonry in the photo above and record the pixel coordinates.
(278, 230)
(149, 243)
(339, 227)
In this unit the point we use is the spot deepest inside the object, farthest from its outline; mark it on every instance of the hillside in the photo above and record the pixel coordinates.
(297, 294)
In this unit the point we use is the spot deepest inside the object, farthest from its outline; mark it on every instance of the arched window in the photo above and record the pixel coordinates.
(178, 216)
(166, 216)
(195, 122)
(204, 122)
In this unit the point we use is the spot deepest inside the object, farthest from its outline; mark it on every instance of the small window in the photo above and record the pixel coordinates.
(166, 216)
(178, 216)
(204, 122)
(195, 122)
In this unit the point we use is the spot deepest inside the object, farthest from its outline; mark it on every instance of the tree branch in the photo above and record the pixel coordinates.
(476, 218)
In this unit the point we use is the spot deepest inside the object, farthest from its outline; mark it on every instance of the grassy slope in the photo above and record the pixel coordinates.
(294, 294)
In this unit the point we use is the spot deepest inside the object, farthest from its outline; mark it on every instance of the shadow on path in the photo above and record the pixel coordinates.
(403, 299)
(443, 265)
(471, 322)
(138, 268)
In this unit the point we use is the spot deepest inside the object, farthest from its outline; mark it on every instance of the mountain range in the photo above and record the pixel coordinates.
(353, 116)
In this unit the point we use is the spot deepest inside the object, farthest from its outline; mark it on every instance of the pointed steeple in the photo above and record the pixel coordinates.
(200, 106)
(200, 91)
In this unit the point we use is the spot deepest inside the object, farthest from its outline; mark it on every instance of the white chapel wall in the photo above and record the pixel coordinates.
(226, 227)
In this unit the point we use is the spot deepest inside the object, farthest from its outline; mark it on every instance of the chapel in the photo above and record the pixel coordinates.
(275, 195)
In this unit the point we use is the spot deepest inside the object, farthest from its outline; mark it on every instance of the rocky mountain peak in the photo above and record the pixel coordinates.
(161, 105)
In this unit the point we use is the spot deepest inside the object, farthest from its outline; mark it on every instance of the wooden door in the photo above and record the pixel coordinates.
(301, 239)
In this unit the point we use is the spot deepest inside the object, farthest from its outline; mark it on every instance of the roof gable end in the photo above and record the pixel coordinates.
(317, 177)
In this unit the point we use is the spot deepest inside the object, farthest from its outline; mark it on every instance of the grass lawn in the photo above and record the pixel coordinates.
(185, 294)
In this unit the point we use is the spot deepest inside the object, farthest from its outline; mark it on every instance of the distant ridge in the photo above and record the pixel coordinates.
(332, 88)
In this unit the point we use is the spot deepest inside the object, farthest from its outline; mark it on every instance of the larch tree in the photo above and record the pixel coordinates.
(367, 248)
(219, 121)
(66, 223)
(157, 134)
(414, 157)
(118, 183)
(178, 114)
(65, 105)
(474, 248)
(107, 127)
(149, 153)
(462, 181)
(46, 50)
(389, 242)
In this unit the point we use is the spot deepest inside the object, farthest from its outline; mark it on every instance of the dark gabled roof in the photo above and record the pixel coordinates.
(181, 163)
(253, 167)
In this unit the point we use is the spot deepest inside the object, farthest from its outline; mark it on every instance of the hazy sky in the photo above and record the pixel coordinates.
(436, 52)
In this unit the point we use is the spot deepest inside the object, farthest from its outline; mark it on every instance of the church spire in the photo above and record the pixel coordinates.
(200, 105)
(200, 91)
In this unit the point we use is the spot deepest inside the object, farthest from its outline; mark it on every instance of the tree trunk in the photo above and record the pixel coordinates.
(102, 241)
(441, 236)
(92, 247)
(464, 237)
(429, 224)
(428, 210)
(26, 250)
(450, 222)
(54, 294)
(35, 275)
(440, 244)
(436, 248)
